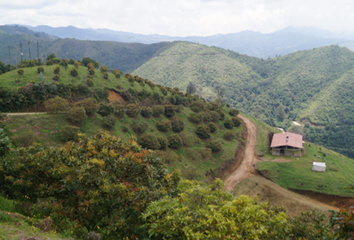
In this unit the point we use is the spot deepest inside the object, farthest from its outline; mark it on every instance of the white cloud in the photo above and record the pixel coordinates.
(181, 17)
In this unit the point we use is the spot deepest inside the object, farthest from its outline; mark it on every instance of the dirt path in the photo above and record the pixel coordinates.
(25, 113)
(246, 168)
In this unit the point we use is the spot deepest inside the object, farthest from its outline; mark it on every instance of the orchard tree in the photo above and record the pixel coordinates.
(57, 70)
(209, 213)
(54, 105)
(20, 71)
(101, 183)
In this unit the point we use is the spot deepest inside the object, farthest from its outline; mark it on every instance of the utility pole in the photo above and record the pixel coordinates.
(10, 57)
(29, 51)
(15, 56)
(21, 51)
(37, 54)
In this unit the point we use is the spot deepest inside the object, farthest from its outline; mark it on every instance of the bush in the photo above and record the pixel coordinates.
(139, 127)
(177, 124)
(197, 106)
(77, 64)
(212, 106)
(237, 121)
(54, 105)
(164, 125)
(163, 90)
(90, 105)
(113, 179)
(163, 142)
(119, 110)
(116, 73)
(207, 117)
(105, 109)
(20, 71)
(157, 110)
(146, 112)
(24, 139)
(179, 108)
(76, 115)
(40, 69)
(149, 141)
(229, 123)
(57, 70)
(212, 127)
(56, 77)
(233, 112)
(170, 110)
(104, 69)
(174, 141)
(48, 62)
(89, 82)
(108, 122)
(91, 71)
(132, 110)
(229, 135)
(203, 132)
(215, 146)
(74, 72)
(195, 118)
(68, 133)
(215, 116)
(5, 143)
(105, 75)
(221, 114)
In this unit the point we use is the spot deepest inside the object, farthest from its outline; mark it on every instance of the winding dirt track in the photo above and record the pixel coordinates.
(246, 168)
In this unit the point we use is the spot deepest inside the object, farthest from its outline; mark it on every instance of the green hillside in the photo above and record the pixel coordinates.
(307, 86)
(192, 158)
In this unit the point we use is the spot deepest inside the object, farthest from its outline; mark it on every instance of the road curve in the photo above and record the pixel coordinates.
(246, 167)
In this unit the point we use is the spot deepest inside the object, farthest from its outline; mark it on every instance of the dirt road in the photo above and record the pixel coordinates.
(246, 167)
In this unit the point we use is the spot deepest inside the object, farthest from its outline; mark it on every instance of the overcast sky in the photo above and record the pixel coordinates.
(181, 17)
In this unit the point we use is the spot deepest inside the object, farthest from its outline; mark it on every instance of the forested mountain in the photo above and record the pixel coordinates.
(257, 44)
(116, 55)
(312, 86)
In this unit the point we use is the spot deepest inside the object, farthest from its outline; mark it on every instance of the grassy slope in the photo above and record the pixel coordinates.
(47, 126)
(14, 225)
(295, 173)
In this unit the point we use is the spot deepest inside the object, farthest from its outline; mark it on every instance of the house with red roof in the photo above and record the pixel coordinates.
(289, 144)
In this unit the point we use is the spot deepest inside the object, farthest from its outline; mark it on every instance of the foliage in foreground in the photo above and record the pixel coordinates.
(209, 213)
(99, 183)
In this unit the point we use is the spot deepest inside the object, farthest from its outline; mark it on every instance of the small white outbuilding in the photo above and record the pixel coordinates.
(319, 166)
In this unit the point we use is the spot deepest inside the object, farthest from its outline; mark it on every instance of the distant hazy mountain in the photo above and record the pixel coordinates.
(282, 42)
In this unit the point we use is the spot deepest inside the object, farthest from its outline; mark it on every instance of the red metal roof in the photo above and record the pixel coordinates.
(287, 139)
